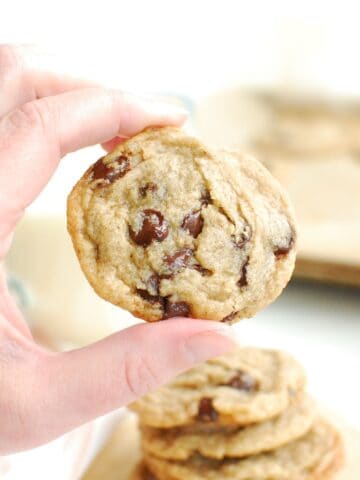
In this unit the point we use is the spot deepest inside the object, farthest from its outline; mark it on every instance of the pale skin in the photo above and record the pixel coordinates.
(43, 394)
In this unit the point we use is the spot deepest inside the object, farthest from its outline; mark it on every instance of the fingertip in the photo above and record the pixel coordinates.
(167, 107)
(213, 341)
(186, 326)
(110, 145)
(196, 340)
(149, 112)
(168, 113)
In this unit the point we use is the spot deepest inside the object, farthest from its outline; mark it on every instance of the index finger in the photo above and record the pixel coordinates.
(27, 74)
(34, 137)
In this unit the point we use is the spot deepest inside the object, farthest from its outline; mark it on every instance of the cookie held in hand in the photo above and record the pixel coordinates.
(164, 227)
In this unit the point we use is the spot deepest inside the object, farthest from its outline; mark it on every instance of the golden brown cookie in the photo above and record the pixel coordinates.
(246, 386)
(316, 456)
(164, 227)
(235, 442)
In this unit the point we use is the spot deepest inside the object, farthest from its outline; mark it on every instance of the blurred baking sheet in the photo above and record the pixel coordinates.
(122, 451)
(312, 146)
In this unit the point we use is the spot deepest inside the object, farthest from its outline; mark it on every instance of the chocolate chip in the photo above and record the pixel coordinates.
(280, 252)
(148, 187)
(176, 309)
(148, 297)
(109, 173)
(206, 411)
(152, 293)
(205, 198)
(243, 381)
(154, 227)
(166, 276)
(179, 259)
(193, 223)
(242, 282)
(205, 272)
(229, 318)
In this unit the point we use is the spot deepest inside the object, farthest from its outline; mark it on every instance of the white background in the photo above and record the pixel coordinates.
(194, 46)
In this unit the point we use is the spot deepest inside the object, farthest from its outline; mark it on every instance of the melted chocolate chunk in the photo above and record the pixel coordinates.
(182, 259)
(109, 173)
(205, 272)
(153, 285)
(193, 223)
(243, 381)
(148, 297)
(206, 411)
(148, 187)
(166, 276)
(176, 309)
(280, 252)
(229, 318)
(179, 259)
(242, 282)
(154, 227)
(100, 170)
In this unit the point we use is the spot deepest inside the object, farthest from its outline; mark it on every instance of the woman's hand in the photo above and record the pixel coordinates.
(44, 116)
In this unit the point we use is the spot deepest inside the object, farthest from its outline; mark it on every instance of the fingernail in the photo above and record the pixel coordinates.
(163, 106)
(210, 343)
(167, 108)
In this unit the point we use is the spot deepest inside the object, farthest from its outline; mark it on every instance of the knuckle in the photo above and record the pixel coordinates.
(34, 116)
(123, 107)
(140, 376)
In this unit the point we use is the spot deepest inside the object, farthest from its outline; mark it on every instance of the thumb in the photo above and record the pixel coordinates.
(86, 383)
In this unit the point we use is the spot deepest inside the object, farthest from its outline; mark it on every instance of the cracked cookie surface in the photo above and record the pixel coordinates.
(246, 386)
(315, 456)
(164, 227)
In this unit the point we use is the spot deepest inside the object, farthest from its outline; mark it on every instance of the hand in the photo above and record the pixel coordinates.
(44, 116)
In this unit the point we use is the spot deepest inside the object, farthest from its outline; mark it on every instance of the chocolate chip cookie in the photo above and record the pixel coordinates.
(315, 456)
(177, 444)
(164, 227)
(246, 386)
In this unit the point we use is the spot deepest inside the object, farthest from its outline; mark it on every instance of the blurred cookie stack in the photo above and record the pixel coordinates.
(242, 416)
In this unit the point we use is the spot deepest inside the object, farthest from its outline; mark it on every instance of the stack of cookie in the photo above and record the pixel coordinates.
(243, 416)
